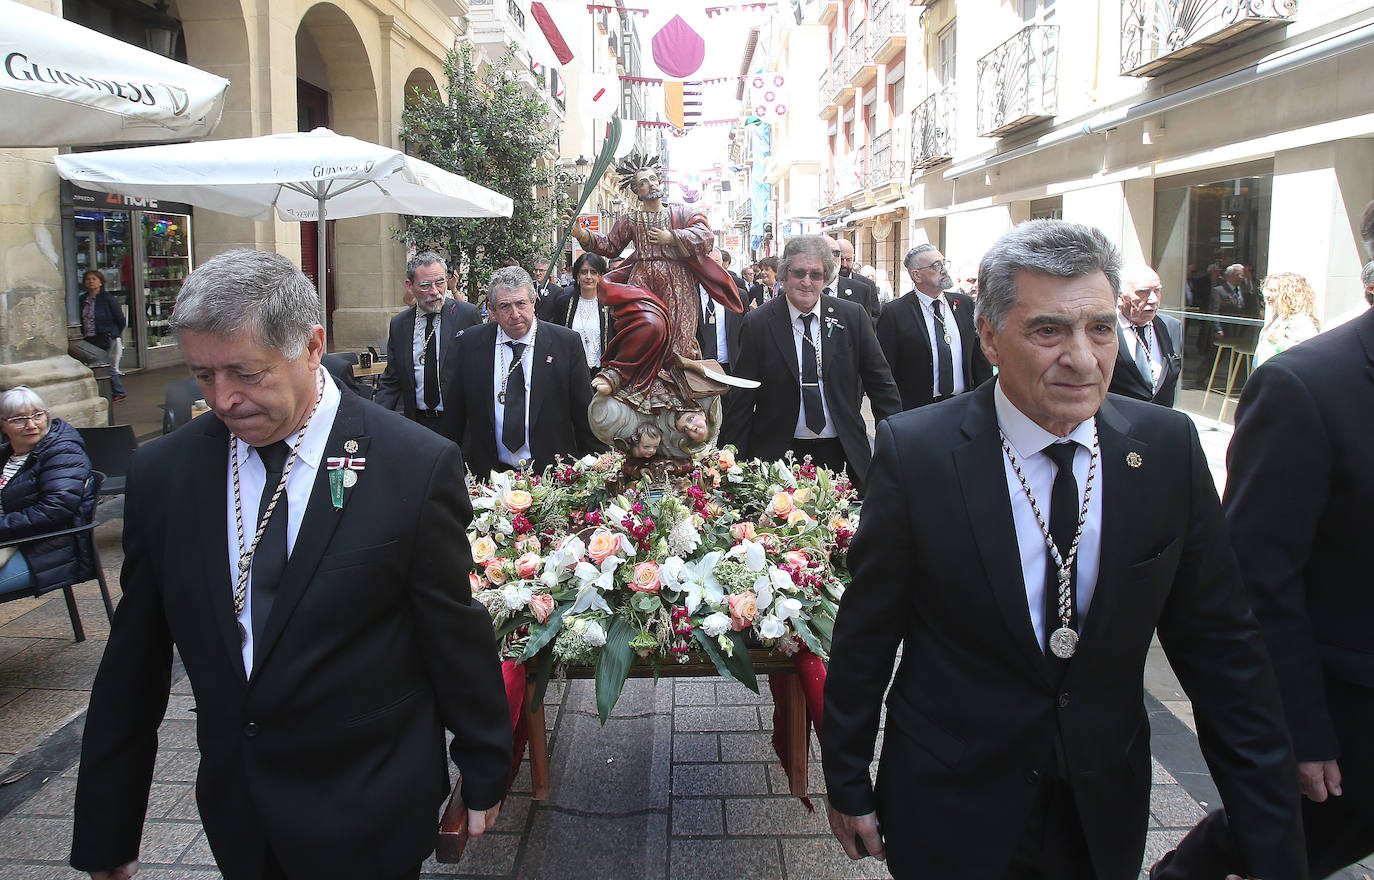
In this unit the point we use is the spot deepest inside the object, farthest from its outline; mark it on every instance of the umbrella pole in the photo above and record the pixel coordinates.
(320, 269)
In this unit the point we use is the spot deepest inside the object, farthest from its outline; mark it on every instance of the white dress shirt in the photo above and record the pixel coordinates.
(802, 432)
(1155, 356)
(956, 343)
(586, 322)
(711, 307)
(252, 474)
(501, 364)
(417, 348)
(1028, 440)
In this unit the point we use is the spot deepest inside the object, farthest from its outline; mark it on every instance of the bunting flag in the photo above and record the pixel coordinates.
(677, 49)
(551, 32)
(672, 103)
(713, 11)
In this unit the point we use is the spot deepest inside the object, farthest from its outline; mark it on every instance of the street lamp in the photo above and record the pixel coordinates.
(582, 164)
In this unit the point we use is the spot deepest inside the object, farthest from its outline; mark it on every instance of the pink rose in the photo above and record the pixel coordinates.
(782, 504)
(743, 531)
(603, 545)
(541, 606)
(797, 558)
(744, 607)
(483, 550)
(527, 543)
(474, 582)
(527, 566)
(495, 573)
(645, 578)
(518, 500)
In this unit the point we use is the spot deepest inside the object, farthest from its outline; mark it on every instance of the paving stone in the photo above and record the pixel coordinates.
(186, 807)
(732, 693)
(521, 783)
(49, 620)
(148, 872)
(53, 663)
(714, 859)
(1160, 776)
(815, 778)
(11, 645)
(697, 816)
(10, 693)
(693, 692)
(164, 841)
(1160, 841)
(176, 765)
(12, 871)
(696, 747)
(1173, 807)
(181, 707)
(592, 761)
(199, 852)
(17, 608)
(735, 747)
(36, 838)
(774, 816)
(515, 813)
(491, 855)
(703, 718)
(55, 798)
(177, 734)
(719, 780)
(562, 845)
(637, 698)
(34, 714)
(816, 858)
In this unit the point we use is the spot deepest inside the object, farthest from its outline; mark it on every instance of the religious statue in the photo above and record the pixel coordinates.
(651, 371)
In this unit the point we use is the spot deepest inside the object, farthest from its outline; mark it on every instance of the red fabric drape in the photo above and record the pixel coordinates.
(514, 674)
(811, 672)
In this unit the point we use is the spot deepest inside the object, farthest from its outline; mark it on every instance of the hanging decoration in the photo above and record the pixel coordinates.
(769, 94)
(600, 93)
(713, 11)
(677, 49)
(551, 32)
(627, 10)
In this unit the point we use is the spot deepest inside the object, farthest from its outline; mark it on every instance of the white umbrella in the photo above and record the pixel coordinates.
(65, 85)
(297, 174)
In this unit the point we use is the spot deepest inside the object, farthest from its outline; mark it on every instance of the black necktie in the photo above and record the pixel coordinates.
(811, 380)
(942, 350)
(706, 331)
(1142, 355)
(1064, 509)
(513, 425)
(269, 560)
(431, 366)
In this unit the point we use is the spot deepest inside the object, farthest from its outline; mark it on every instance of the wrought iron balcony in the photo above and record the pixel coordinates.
(1018, 81)
(516, 15)
(827, 187)
(861, 67)
(855, 176)
(840, 88)
(1158, 33)
(932, 129)
(886, 164)
(888, 38)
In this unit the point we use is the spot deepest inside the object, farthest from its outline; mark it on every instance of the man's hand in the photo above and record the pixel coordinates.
(865, 828)
(123, 872)
(1319, 779)
(480, 823)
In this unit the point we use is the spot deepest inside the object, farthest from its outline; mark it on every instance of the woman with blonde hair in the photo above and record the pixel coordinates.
(1290, 314)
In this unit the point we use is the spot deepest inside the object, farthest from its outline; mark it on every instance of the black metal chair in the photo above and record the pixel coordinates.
(176, 406)
(88, 556)
(110, 448)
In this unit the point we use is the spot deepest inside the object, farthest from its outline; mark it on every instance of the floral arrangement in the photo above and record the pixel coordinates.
(729, 557)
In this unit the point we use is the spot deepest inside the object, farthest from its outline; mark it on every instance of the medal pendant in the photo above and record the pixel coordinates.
(948, 339)
(336, 487)
(1063, 643)
(501, 397)
(350, 477)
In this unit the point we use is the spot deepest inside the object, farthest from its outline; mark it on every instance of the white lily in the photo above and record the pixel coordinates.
(671, 571)
(483, 502)
(589, 598)
(788, 607)
(615, 514)
(716, 624)
(771, 627)
(752, 552)
(782, 581)
(763, 590)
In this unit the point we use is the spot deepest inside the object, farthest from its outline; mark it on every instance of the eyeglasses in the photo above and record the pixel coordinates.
(802, 274)
(36, 417)
(938, 266)
(427, 286)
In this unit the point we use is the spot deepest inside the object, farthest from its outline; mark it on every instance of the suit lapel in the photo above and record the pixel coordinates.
(780, 323)
(962, 307)
(1125, 497)
(317, 526)
(405, 354)
(209, 507)
(448, 333)
(542, 364)
(833, 336)
(918, 316)
(978, 463)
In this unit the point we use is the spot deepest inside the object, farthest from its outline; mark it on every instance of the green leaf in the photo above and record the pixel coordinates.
(809, 638)
(738, 667)
(542, 636)
(613, 666)
(647, 602)
(511, 625)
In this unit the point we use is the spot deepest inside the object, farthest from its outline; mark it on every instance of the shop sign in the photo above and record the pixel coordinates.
(101, 201)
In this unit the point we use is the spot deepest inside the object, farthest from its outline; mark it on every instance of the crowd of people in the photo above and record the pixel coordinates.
(1025, 534)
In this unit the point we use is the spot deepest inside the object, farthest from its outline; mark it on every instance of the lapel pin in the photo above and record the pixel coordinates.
(549, 359)
(350, 446)
(1133, 459)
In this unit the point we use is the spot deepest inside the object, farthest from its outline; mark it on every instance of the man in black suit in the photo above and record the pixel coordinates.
(1149, 346)
(849, 286)
(546, 285)
(929, 330)
(1017, 744)
(815, 356)
(1298, 488)
(420, 366)
(302, 550)
(523, 385)
(718, 328)
(723, 257)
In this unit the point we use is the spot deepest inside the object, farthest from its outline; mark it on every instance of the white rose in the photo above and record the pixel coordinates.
(788, 608)
(593, 634)
(771, 628)
(716, 624)
(515, 597)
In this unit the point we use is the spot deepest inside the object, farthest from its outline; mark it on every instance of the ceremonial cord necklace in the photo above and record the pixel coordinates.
(245, 564)
(1064, 640)
(815, 343)
(515, 362)
(940, 320)
(424, 348)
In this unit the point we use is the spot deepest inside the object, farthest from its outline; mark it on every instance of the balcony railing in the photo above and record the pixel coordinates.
(838, 80)
(1018, 81)
(932, 129)
(1158, 33)
(827, 187)
(516, 15)
(888, 37)
(887, 163)
(825, 85)
(859, 52)
(855, 175)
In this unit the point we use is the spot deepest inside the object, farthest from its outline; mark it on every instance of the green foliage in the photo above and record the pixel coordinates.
(494, 132)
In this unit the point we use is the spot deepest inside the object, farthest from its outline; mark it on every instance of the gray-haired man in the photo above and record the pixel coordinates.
(302, 550)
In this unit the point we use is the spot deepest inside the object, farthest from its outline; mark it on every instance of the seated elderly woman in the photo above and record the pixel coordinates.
(44, 469)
